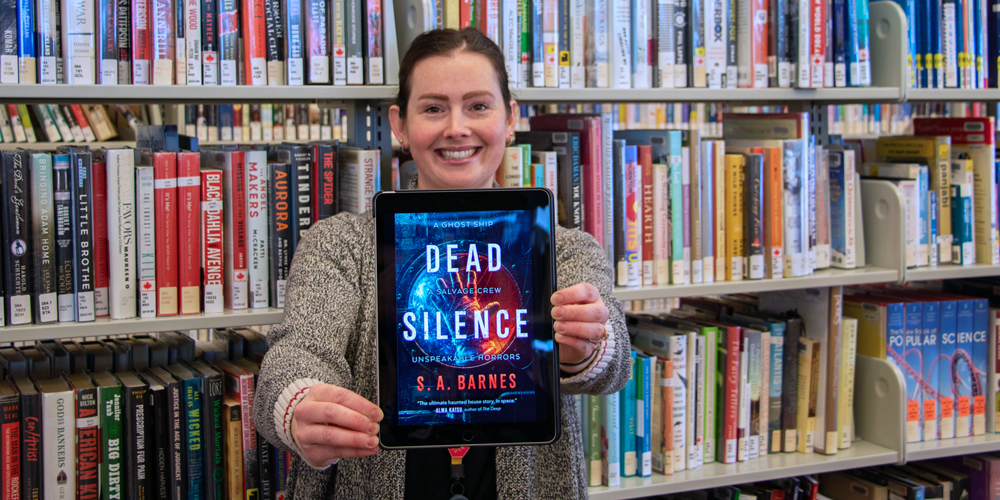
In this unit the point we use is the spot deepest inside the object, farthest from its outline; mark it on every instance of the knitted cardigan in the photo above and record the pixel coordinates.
(329, 335)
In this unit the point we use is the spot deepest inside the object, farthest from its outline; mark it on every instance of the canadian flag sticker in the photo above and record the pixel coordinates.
(241, 276)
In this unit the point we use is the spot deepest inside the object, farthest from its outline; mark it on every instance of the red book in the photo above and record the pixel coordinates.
(464, 14)
(100, 207)
(211, 230)
(817, 43)
(324, 170)
(758, 39)
(646, 164)
(141, 53)
(165, 189)
(591, 158)
(189, 232)
(254, 42)
(729, 442)
(235, 232)
(81, 118)
(10, 435)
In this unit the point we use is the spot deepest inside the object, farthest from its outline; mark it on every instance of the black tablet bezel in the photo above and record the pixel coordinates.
(547, 428)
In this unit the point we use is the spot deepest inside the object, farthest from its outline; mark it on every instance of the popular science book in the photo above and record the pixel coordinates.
(464, 315)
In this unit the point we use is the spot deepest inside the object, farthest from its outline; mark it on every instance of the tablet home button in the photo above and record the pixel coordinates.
(467, 436)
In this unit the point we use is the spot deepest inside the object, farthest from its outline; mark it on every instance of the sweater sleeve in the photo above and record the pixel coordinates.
(579, 259)
(322, 304)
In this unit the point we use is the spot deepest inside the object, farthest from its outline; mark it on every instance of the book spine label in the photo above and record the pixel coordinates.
(254, 42)
(317, 46)
(45, 305)
(146, 224)
(211, 230)
(65, 248)
(166, 210)
(57, 434)
(140, 41)
(257, 240)
(229, 31)
(189, 232)
(279, 230)
(121, 238)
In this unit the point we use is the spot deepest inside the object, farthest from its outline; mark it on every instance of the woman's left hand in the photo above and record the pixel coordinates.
(580, 316)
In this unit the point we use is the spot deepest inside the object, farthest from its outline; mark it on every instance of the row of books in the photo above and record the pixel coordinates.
(262, 122)
(952, 44)
(727, 380)
(205, 42)
(161, 416)
(30, 123)
(153, 232)
(789, 488)
(894, 119)
(680, 43)
(953, 478)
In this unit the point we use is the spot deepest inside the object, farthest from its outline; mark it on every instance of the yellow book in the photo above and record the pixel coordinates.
(848, 349)
(734, 217)
(451, 20)
(935, 152)
(232, 442)
(805, 415)
(719, 178)
(29, 127)
(871, 331)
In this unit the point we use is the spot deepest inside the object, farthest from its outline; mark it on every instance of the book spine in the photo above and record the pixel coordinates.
(627, 436)
(254, 31)
(57, 434)
(81, 175)
(26, 50)
(373, 31)
(633, 224)
(696, 439)
(65, 248)
(162, 40)
(61, 123)
(212, 212)
(994, 374)
(665, 40)
(10, 455)
(754, 248)
(677, 217)
(123, 40)
(145, 206)
(325, 180)
(275, 43)
(661, 224)
(140, 40)
(338, 30)
(930, 350)
(229, 31)
(355, 24)
(46, 14)
(693, 257)
(207, 54)
(619, 47)
(980, 356)
(78, 42)
(644, 443)
(233, 450)
(135, 415)
(121, 238)
(193, 436)
(640, 45)
(189, 232)
(715, 42)
(251, 479)
(17, 265)
(166, 210)
(31, 445)
(107, 39)
(550, 42)
(87, 445)
(734, 217)
(235, 231)
(681, 385)
(45, 303)
(279, 230)
(257, 240)
(647, 185)
(302, 189)
(610, 422)
(213, 437)
(175, 455)
(110, 407)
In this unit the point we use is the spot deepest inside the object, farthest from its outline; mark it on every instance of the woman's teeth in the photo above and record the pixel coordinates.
(457, 155)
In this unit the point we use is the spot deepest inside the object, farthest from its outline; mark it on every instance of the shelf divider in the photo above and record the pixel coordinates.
(879, 391)
(883, 213)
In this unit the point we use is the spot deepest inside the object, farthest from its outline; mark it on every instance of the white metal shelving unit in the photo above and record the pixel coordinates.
(181, 94)
(944, 272)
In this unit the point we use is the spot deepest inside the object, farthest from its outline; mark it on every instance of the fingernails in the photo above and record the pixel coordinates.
(377, 414)
(557, 312)
(372, 442)
(372, 428)
(557, 298)
(559, 326)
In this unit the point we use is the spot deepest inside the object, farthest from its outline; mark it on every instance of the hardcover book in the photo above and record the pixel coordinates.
(212, 212)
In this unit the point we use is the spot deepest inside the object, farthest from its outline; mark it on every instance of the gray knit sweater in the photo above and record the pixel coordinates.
(329, 334)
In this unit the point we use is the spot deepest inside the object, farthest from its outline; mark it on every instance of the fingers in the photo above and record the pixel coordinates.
(346, 398)
(321, 456)
(585, 331)
(583, 347)
(334, 437)
(581, 293)
(321, 412)
(591, 313)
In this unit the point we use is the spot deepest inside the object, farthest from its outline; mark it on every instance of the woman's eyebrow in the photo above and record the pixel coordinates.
(469, 95)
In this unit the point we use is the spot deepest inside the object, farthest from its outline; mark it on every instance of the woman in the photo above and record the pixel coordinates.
(454, 114)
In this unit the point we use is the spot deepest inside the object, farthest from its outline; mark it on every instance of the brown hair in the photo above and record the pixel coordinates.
(444, 42)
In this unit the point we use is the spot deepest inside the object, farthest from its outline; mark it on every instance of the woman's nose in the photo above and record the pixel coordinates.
(457, 125)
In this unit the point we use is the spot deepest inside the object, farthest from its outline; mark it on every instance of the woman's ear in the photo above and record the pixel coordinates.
(512, 118)
(398, 125)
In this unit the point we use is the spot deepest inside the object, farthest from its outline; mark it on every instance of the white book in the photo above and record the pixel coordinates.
(192, 40)
(744, 44)
(257, 242)
(949, 45)
(5, 126)
(716, 15)
(802, 60)
(696, 454)
(665, 42)
(679, 349)
(661, 225)
(511, 32)
(64, 130)
(121, 233)
(357, 176)
(578, 77)
(620, 54)
(58, 439)
(145, 205)
(640, 44)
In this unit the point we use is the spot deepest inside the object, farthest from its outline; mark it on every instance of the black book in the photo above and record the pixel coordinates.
(10, 423)
(279, 229)
(354, 22)
(301, 195)
(212, 434)
(275, 41)
(790, 378)
(121, 358)
(64, 237)
(17, 237)
(210, 352)
(176, 458)
(76, 354)
(732, 63)
(83, 223)
(232, 343)
(88, 435)
(158, 351)
(31, 437)
(158, 436)
(98, 356)
(157, 138)
(124, 38)
(185, 345)
(171, 345)
(39, 364)
(8, 42)
(681, 36)
(265, 458)
(57, 356)
(567, 148)
(191, 390)
(138, 353)
(43, 239)
(326, 185)
(210, 42)
(107, 24)
(254, 344)
(212, 122)
(753, 264)
(136, 416)
(618, 200)
(777, 44)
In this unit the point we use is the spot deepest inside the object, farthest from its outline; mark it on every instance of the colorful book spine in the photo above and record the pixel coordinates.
(26, 42)
(65, 232)
(257, 240)
(644, 402)
(80, 173)
(627, 437)
(140, 42)
(165, 193)
(100, 206)
(189, 241)
(162, 28)
(633, 225)
(212, 208)
(254, 30)
(373, 46)
(980, 357)
(145, 206)
(734, 216)
(208, 53)
(229, 32)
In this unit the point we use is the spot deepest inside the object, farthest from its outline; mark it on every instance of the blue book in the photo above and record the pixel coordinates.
(936, 43)
(610, 425)
(677, 216)
(539, 173)
(840, 8)
(864, 49)
(628, 420)
(26, 41)
(932, 227)
(980, 355)
(923, 187)
(912, 356)
(978, 43)
(644, 409)
(909, 12)
(993, 33)
(538, 53)
(853, 44)
(932, 368)
(294, 42)
(949, 342)
(963, 361)
(921, 25)
(841, 180)
(226, 122)
(192, 425)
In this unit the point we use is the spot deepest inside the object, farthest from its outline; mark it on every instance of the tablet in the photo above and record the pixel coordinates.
(466, 354)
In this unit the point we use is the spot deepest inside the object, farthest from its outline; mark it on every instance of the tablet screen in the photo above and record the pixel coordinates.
(465, 339)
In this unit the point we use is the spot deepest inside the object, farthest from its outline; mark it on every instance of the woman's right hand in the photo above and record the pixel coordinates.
(331, 423)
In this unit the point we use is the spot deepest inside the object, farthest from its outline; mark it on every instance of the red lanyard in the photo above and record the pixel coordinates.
(457, 471)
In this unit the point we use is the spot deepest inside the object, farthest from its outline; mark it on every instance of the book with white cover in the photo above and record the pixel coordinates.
(121, 232)
(78, 43)
(257, 242)
(145, 210)
(58, 439)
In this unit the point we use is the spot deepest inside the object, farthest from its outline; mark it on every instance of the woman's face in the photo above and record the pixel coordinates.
(456, 122)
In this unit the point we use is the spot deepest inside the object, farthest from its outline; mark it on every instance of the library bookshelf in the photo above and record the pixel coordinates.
(880, 396)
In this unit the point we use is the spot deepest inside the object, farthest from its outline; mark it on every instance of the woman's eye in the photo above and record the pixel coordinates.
(480, 107)
(432, 109)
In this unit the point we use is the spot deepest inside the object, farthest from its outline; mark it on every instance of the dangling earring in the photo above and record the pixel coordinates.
(510, 140)
(405, 150)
